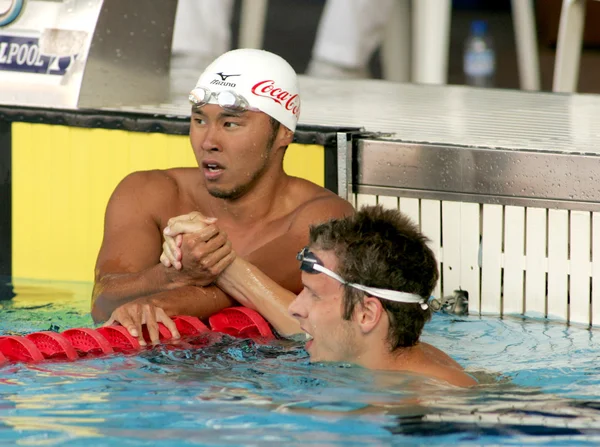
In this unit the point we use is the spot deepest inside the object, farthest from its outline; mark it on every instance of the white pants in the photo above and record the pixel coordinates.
(202, 28)
(350, 31)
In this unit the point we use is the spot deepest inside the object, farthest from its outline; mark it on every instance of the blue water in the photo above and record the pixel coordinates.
(539, 386)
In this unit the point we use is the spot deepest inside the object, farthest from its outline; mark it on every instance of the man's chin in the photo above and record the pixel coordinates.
(223, 194)
(228, 194)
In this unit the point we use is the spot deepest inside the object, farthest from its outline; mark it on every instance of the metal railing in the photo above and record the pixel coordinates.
(518, 230)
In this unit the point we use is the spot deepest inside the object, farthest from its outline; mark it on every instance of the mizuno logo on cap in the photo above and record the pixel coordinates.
(224, 76)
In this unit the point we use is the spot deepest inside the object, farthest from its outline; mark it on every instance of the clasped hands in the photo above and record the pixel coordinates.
(195, 252)
(197, 249)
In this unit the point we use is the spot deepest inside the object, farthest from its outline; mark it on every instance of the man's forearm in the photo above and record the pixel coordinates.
(115, 289)
(251, 287)
(201, 302)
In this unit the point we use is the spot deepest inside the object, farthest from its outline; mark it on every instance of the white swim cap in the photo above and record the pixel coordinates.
(266, 81)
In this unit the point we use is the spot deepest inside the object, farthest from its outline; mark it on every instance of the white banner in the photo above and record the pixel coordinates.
(43, 50)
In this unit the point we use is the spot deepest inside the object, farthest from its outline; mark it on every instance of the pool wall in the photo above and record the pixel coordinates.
(518, 230)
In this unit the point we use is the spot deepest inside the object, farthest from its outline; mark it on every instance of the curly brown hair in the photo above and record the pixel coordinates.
(382, 248)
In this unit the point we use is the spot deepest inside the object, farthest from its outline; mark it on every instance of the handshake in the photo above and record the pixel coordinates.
(197, 249)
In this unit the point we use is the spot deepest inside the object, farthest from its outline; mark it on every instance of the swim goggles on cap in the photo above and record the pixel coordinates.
(309, 263)
(228, 99)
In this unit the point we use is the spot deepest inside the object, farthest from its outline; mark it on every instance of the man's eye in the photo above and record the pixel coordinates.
(231, 124)
(199, 120)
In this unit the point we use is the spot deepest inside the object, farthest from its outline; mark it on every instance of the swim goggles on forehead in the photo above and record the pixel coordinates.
(228, 99)
(309, 263)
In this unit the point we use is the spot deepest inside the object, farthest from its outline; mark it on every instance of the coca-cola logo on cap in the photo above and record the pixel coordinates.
(267, 89)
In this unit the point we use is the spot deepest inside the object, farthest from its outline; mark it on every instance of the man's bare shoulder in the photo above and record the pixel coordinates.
(436, 363)
(157, 184)
(158, 178)
(158, 193)
(314, 203)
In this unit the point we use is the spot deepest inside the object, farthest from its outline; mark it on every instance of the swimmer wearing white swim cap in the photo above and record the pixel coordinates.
(179, 241)
(249, 79)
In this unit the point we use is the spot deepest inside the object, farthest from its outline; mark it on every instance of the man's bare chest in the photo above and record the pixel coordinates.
(245, 239)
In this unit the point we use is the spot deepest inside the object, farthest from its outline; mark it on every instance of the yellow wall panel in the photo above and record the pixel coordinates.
(306, 161)
(62, 180)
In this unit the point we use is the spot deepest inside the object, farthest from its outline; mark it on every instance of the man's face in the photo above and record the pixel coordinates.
(233, 150)
(319, 310)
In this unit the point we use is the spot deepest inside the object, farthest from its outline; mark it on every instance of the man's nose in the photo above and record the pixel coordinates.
(211, 141)
(296, 309)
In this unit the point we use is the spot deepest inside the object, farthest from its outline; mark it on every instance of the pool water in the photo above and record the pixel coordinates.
(540, 385)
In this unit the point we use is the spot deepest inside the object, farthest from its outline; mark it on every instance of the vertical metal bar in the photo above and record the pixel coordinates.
(6, 291)
(330, 153)
(344, 163)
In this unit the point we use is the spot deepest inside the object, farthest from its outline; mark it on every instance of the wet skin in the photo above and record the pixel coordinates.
(362, 340)
(263, 213)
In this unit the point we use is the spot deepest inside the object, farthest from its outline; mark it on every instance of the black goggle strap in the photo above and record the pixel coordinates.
(307, 260)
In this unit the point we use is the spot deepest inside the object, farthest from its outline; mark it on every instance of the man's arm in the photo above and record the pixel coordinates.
(270, 286)
(269, 278)
(128, 262)
(252, 288)
(277, 258)
(158, 308)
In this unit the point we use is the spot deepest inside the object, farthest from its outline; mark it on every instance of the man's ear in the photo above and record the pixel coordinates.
(369, 314)
(286, 136)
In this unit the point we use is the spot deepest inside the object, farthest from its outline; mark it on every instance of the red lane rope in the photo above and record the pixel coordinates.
(240, 322)
(20, 349)
(164, 334)
(53, 345)
(76, 343)
(119, 338)
(88, 341)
